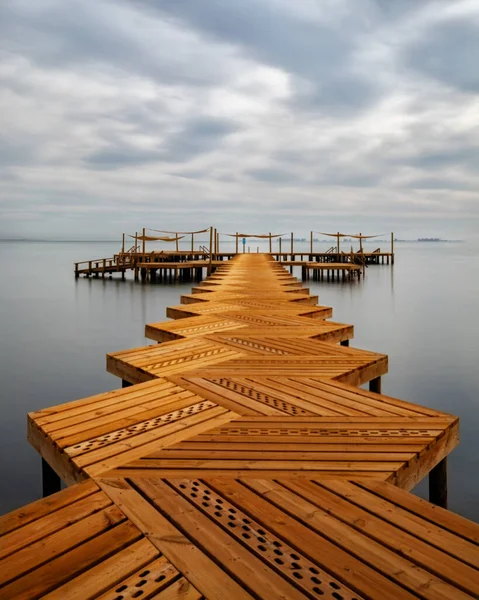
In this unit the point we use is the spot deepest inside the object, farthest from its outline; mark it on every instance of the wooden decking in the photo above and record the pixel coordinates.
(243, 462)
(249, 538)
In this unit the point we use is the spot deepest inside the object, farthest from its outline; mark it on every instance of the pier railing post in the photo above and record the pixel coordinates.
(211, 251)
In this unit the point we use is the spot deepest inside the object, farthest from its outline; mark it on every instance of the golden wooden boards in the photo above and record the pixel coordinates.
(189, 539)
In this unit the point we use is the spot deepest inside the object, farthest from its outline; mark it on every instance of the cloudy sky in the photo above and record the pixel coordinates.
(357, 115)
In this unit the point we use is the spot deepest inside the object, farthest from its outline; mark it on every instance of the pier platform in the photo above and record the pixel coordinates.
(240, 459)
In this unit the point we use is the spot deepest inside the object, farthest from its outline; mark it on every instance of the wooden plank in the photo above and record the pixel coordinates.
(439, 516)
(392, 565)
(211, 580)
(430, 533)
(192, 428)
(402, 543)
(123, 568)
(338, 563)
(64, 567)
(46, 506)
(47, 525)
(35, 554)
(253, 574)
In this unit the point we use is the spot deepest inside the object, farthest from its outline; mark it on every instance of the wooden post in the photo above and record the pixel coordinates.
(375, 385)
(338, 245)
(51, 483)
(123, 244)
(270, 242)
(311, 243)
(217, 242)
(362, 253)
(192, 242)
(237, 243)
(392, 248)
(177, 247)
(280, 257)
(292, 246)
(211, 250)
(438, 484)
(144, 243)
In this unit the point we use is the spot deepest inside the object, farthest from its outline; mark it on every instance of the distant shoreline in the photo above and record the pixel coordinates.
(297, 240)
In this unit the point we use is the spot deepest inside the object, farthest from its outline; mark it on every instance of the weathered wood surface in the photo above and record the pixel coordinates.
(245, 464)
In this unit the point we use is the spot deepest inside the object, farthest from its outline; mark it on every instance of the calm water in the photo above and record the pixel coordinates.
(55, 332)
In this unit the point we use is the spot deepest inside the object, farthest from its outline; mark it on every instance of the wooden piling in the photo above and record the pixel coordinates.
(438, 484)
(51, 482)
(375, 385)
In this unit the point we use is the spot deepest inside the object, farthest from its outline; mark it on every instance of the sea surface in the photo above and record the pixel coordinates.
(55, 332)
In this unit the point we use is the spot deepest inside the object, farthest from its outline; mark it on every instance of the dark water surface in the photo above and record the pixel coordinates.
(55, 332)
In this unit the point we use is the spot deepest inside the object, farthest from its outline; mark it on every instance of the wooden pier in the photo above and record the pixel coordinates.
(194, 264)
(317, 271)
(240, 459)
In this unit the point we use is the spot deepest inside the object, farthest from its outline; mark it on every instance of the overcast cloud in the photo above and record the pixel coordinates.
(266, 115)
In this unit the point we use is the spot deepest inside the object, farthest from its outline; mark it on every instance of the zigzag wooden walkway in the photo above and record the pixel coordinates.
(241, 460)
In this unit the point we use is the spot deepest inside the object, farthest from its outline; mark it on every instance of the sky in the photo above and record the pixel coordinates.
(251, 115)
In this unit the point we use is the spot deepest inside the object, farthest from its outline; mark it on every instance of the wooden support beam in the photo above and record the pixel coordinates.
(375, 385)
(51, 483)
(438, 484)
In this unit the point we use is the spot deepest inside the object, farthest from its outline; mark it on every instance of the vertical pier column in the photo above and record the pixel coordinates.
(438, 484)
(51, 483)
(375, 385)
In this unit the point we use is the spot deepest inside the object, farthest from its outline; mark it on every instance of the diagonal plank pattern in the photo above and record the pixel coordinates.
(243, 462)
